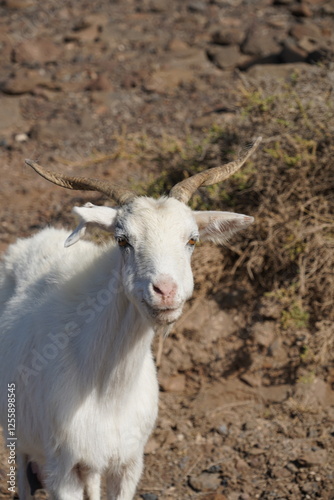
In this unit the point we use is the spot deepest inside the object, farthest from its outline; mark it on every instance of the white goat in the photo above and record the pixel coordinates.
(76, 328)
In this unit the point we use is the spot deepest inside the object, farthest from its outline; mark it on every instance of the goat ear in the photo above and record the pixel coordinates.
(93, 215)
(220, 226)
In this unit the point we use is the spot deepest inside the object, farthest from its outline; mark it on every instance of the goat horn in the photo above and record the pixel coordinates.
(119, 194)
(186, 188)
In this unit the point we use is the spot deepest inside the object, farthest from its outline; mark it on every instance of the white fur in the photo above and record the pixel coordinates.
(76, 326)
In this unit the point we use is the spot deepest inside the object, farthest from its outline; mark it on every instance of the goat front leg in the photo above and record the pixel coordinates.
(121, 485)
(64, 482)
(92, 482)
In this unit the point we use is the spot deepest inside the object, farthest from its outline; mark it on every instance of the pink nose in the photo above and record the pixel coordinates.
(165, 287)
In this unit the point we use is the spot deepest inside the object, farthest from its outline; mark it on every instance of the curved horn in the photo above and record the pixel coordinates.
(186, 188)
(119, 194)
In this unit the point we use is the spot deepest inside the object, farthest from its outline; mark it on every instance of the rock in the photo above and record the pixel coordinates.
(177, 45)
(37, 51)
(224, 57)
(299, 31)
(251, 380)
(21, 137)
(312, 456)
(158, 6)
(205, 482)
(260, 42)
(226, 36)
(308, 44)
(197, 6)
(149, 496)
(301, 10)
(176, 383)
(222, 429)
(314, 393)
(19, 4)
(264, 332)
(275, 393)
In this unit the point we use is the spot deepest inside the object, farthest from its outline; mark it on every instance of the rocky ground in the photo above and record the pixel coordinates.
(129, 90)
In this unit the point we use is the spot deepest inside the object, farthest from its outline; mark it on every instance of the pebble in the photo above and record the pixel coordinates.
(197, 6)
(224, 57)
(175, 383)
(225, 36)
(149, 496)
(301, 10)
(260, 42)
(21, 138)
(222, 429)
(205, 482)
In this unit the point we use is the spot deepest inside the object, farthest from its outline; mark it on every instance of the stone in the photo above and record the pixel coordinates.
(301, 10)
(21, 137)
(275, 393)
(37, 51)
(311, 456)
(205, 482)
(19, 4)
(222, 429)
(226, 36)
(314, 393)
(308, 44)
(251, 380)
(197, 6)
(158, 6)
(177, 45)
(299, 31)
(224, 57)
(149, 496)
(176, 383)
(260, 42)
(264, 332)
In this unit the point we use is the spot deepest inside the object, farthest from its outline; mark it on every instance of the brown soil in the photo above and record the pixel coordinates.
(145, 92)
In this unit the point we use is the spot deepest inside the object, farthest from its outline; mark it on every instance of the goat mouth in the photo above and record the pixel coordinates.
(165, 315)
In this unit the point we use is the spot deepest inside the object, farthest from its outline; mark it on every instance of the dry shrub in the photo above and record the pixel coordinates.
(287, 186)
(292, 194)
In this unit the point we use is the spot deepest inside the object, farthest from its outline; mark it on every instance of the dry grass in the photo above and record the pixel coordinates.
(287, 187)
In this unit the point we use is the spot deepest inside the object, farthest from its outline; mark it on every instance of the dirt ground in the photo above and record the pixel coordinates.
(130, 89)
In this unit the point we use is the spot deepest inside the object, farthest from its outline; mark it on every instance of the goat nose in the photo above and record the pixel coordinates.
(165, 286)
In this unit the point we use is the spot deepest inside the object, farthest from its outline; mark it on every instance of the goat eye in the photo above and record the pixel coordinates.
(192, 242)
(122, 242)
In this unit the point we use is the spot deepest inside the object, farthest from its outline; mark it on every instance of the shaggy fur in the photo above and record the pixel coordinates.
(76, 326)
